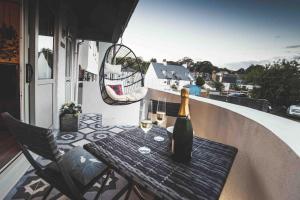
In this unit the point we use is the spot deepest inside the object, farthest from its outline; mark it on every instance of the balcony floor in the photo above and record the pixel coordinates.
(31, 186)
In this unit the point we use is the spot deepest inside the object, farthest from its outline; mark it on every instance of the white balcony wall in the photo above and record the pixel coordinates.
(60, 73)
(112, 115)
(267, 165)
(89, 57)
(103, 46)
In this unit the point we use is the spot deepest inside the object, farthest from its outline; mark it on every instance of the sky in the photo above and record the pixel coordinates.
(229, 33)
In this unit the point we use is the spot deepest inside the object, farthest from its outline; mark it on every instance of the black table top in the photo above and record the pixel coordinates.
(202, 178)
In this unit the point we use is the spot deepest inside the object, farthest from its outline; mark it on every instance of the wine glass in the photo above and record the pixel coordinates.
(160, 115)
(161, 110)
(146, 123)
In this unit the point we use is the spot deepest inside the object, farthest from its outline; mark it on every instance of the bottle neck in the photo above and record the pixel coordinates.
(184, 107)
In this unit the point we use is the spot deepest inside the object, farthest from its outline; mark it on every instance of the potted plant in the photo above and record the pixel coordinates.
(69, 117)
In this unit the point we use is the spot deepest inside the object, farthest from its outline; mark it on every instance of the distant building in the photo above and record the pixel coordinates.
(194, 90)
(248, 86)
(229, 78)
(214, 75)
(224, 77)
(160, 75)
(206, 76)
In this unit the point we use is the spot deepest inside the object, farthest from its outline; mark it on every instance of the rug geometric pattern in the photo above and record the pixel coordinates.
(30, 186)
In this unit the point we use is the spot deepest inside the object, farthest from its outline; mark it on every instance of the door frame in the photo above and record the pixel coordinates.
(32, 33)
(24, 87)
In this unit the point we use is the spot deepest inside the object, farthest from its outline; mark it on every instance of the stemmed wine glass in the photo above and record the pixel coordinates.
(160, 115)
(146, 123)
(161, 110)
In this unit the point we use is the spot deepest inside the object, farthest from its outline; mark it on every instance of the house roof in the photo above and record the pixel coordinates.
(175, 72)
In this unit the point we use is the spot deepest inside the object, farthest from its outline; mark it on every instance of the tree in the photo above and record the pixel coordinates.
(204, 66)
(236, 87)
(172, 63)
(279, 83)
(241, 71)
(219, 86)
(134, 63)
(153, 60)
(200, 81)
(186, 60)
(253, 74)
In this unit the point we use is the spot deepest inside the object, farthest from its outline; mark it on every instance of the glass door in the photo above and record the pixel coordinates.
(41, 60)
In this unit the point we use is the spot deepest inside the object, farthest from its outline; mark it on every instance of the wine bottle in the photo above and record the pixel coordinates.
(182, 141)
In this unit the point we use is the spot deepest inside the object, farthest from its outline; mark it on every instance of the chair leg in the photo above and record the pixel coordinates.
(138, 193)
(103, 184)
(47, 193)
(123, 190)
(129, 191)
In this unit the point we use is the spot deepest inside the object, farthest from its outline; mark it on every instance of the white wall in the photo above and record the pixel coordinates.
(151, 79)
(60, 70)
(89, 57)
(103, 46)
(112, 115)
(267, 164)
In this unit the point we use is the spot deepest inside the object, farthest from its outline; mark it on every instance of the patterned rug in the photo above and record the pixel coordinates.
(30, 186)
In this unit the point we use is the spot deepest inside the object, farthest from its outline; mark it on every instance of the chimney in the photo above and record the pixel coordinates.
(165, 62)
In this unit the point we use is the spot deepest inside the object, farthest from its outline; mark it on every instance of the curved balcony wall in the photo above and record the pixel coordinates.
(267, 165)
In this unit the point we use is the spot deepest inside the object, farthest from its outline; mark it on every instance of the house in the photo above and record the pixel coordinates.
(160, 75)
(43, 45)
(229, 78)
(225, 77)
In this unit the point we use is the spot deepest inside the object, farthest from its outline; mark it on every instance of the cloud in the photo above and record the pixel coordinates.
(277, 36)
(293, 46)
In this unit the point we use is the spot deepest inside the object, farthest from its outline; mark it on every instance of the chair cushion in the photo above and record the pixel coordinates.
(112, 94)
(117, 88)
(82, 166)
(137, 94)
(112, 69)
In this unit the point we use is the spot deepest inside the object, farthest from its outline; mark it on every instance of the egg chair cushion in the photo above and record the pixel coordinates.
(137, 94)
(117, 88)
(115, 82)
(112, 69)
(112, 94)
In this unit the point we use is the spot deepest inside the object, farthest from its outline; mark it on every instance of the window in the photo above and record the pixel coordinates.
(45, 42)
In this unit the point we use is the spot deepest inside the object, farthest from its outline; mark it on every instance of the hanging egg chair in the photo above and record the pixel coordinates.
(121, 79)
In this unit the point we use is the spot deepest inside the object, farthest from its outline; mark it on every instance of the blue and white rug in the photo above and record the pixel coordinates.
(30, 186)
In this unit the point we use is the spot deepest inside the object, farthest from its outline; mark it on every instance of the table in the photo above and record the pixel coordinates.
(202, 178)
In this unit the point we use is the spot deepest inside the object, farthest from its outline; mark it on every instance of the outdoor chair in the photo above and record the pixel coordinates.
(121, 78)
(72, 173)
